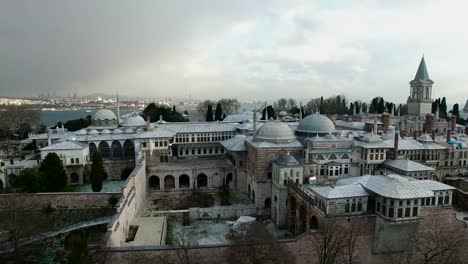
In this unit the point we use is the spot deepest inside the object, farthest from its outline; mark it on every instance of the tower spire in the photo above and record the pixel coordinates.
(118, 108)
(422, 74)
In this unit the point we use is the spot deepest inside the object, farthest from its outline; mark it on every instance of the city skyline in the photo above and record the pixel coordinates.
(251, 51)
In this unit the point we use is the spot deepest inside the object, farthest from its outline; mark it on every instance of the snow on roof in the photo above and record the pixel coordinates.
(407, 165)
(65, 145)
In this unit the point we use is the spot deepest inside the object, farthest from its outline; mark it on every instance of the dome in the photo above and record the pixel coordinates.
(105, 132)
(140, 130)
(117, 131)
(315, 123)
(282, 114)
(275, 132)
(81, 132)
(287, 160)
(93, 132)
(134, 120)
(104, 114)
(128, 131)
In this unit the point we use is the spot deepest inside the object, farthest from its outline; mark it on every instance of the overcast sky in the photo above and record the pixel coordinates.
(253, 50)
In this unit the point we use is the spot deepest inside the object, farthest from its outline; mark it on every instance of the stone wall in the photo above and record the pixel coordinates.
(222, 212)
(36, 201)
(114, 168)
(134, 195)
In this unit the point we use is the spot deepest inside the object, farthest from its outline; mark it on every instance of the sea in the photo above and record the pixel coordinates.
(50, 118)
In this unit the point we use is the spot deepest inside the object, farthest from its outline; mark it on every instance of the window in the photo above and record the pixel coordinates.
(439, 200)
(77, 160)
(347, 208)
(359, 206)
(391, 212)
(446, 199)
(433, 200)
(353, 207)
(143, 144)
(407, 211)
(400, 212)
(72, 160)
(415, 211)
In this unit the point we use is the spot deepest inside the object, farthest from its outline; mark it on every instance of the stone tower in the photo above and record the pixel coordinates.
(420, 99)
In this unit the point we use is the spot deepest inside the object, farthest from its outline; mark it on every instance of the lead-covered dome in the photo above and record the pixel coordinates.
(134, 120)
(104, 118)
(315, 124)
(275, 132)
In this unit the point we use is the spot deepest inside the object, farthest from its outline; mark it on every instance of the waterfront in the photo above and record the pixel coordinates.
(50, 118)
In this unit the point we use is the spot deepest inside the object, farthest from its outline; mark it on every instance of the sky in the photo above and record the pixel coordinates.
(251, 50)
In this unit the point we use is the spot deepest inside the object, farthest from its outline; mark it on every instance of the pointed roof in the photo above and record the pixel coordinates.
(422, 74)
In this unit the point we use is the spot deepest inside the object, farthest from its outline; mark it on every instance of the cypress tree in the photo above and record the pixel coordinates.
(209, 114)
(381, 106)
(443, 108)
(52, 173)
(97, 173)
(455, 110)
(218, 113)
(173, 109)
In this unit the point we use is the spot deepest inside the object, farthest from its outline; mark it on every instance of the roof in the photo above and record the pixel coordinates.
(274, 132)
(104, 114)
(433, 185)
(407, 165)
(236, 143)
(316, 123)
(264, 144)
(344, 191)
(412, 144)
(422, 74)
(207, 127)
(287, 160)
(65, 145)
(157, 132)
(391, 186)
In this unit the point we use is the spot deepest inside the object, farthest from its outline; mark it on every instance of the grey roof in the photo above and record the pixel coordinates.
(391, 186)
(316, 123)
(287, 160)
(344, 191)
(422, 74)
(433, 185)
(208, 127)
(265, 144)
(236, 143)
(412, 144)
(104, 114)
(65, 145)
(157, 132)
(407, 165)
(274, 132)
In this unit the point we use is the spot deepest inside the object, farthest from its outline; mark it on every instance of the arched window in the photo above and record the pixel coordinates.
(202, 181)
(117, 151)
(267, 203)
(92, 149)
(104, 149)
(129, 148)
(320, 157)
(228, 178)
(345, 156)
(313, 222)
(184, 181)
(332, 157)
(154, 182)
(169, 182)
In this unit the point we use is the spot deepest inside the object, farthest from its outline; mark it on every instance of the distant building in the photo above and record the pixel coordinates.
(420, 99)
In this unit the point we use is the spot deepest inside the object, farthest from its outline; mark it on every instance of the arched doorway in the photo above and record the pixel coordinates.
(125, 173)
(184, 181)
(129, 148)
(169, 182)
(267, 203)
(313, 222)
(74, 178)
(154, 182)
(11, 179)
(202, 180)
(301, 227)
(117, 151)
(292, 214)
(92, 149)
(104, 149)
(228, 179)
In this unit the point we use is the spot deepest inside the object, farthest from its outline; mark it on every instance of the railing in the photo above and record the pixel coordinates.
(302, 192)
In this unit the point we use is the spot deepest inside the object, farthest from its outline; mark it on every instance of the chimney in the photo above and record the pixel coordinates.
(255, 121)
(466, 129)
(266, 112)
(49, 139)
(300, 111)
(448, 134)
(453, 123)
(429, 123)
(433, 134)
(385, 121)
(148, 123)
(395, 143)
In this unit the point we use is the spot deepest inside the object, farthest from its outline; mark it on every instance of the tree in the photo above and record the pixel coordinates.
(443, 108)
(209, 114)
(98, 174)
(52, 174)
(19, 121)
(292, 104)
(202, 107)
(184, 244)
(75, 124)
(173, 109)
(76, 245)
(229, 105)
(253, 244)
(271, 113)
(218, 113)
(156, 111)
(381, 106)
(281, 104)
(28, 181)
(455, 110)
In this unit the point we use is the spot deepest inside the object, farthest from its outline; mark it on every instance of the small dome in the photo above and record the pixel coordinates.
(128, 131)
(117, 131)
(105, 132)
(104, 114)
(134, 120)
(287, 160)
(315, 123)
(282, 114)
(93, 132)
(140, 130)
(81, 132)
(275, 132)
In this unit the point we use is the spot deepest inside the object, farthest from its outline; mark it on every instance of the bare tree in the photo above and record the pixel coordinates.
(229, 104)
(281, 104)
(253, 244)
(292, 103)
(19, 120)
(184, 245)
(202, 107)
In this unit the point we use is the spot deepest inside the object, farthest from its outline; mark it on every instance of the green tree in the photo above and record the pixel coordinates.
(209, 114)
(218, 113)
(52, 174)
(28, 181)
(443, 108)
(271, 113)
(155, 111)
(381, 106)
(97, 173)
(456, 110)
